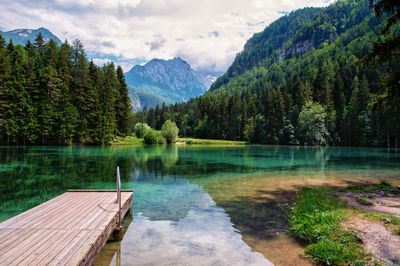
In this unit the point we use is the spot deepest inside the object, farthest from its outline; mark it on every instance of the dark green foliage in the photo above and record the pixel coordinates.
(52, 95)
(140, 129)
(154, 137)
(311, 55)
(389, 47)
(123, 106)
(315, 220)
(386, 50)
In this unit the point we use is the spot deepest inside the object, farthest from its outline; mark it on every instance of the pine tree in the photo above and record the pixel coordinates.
(331, 112)
(39, 44)
(83, 95)
(108, 100)
(234, 116)
(17, 114)
(304, 93)
(123, 106)
(274, 115)
(2, 42)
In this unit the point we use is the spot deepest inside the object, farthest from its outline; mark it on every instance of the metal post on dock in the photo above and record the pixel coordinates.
(119, 197)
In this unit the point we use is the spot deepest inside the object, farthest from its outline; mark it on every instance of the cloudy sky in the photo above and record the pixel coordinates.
(206, 33)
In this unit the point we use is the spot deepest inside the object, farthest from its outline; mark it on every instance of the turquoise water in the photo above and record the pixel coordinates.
(192, 205)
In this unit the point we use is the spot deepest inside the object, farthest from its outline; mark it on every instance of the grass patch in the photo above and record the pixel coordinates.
(128, 140)
(191, 141)
(382, 185)
(376, 217)
(315, 221)
(364, 202)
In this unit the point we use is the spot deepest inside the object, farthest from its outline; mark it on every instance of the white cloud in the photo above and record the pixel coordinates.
(146, 29)
(101, 61)
(126, 66)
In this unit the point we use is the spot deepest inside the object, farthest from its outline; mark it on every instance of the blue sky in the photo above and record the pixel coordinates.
(206, 33)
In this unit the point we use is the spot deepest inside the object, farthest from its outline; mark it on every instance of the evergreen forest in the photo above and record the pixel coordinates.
(51, 94)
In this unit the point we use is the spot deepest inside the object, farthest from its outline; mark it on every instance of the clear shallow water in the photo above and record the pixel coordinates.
(192, 205)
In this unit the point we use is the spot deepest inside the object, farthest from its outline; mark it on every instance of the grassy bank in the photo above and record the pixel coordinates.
(315, 221)
(129, 140)
(192, 141)
(133, 140)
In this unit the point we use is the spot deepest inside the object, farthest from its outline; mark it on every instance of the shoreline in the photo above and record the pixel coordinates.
(356, 224)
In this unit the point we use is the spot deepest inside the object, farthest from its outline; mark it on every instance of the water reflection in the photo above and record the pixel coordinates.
(192, 205)
(204, 236)
(111, 253)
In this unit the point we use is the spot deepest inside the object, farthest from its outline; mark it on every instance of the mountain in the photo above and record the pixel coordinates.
(264, 47)
(299, 32)
(303, 65)
(170, 80)
(298, 37)
(21, 36)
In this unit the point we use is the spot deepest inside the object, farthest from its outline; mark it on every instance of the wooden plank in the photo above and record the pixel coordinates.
(42, 257)
(90, 257)
(74, 242)
(70, 229)
(77, 190)
(80, 252)
(22, 254)
(75, 220)
(35, 209)
(5, 233)
(88, 237)
(97, 217)
(42, 214)
(13, 237)
(104, 222)
(60, 213)
(38, 253)
(35, 212)
(11, 249)
(42, 246)
(77, 212)
(57, 248)
(84, 218)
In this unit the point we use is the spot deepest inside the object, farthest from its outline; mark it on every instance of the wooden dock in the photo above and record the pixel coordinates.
(70, 229)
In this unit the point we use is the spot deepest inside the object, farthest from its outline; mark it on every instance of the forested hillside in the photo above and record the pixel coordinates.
(263, 48)
(51, 94)
(300, 81)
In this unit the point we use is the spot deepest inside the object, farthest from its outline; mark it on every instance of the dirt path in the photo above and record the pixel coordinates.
(384, 205)
(377, 239)
(379, 235)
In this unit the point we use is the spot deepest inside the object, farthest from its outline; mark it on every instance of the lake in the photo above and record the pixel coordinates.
(193, 205)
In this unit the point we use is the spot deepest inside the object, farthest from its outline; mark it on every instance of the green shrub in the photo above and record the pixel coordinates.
(170, 131)
(140, 129)
(152, 136)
